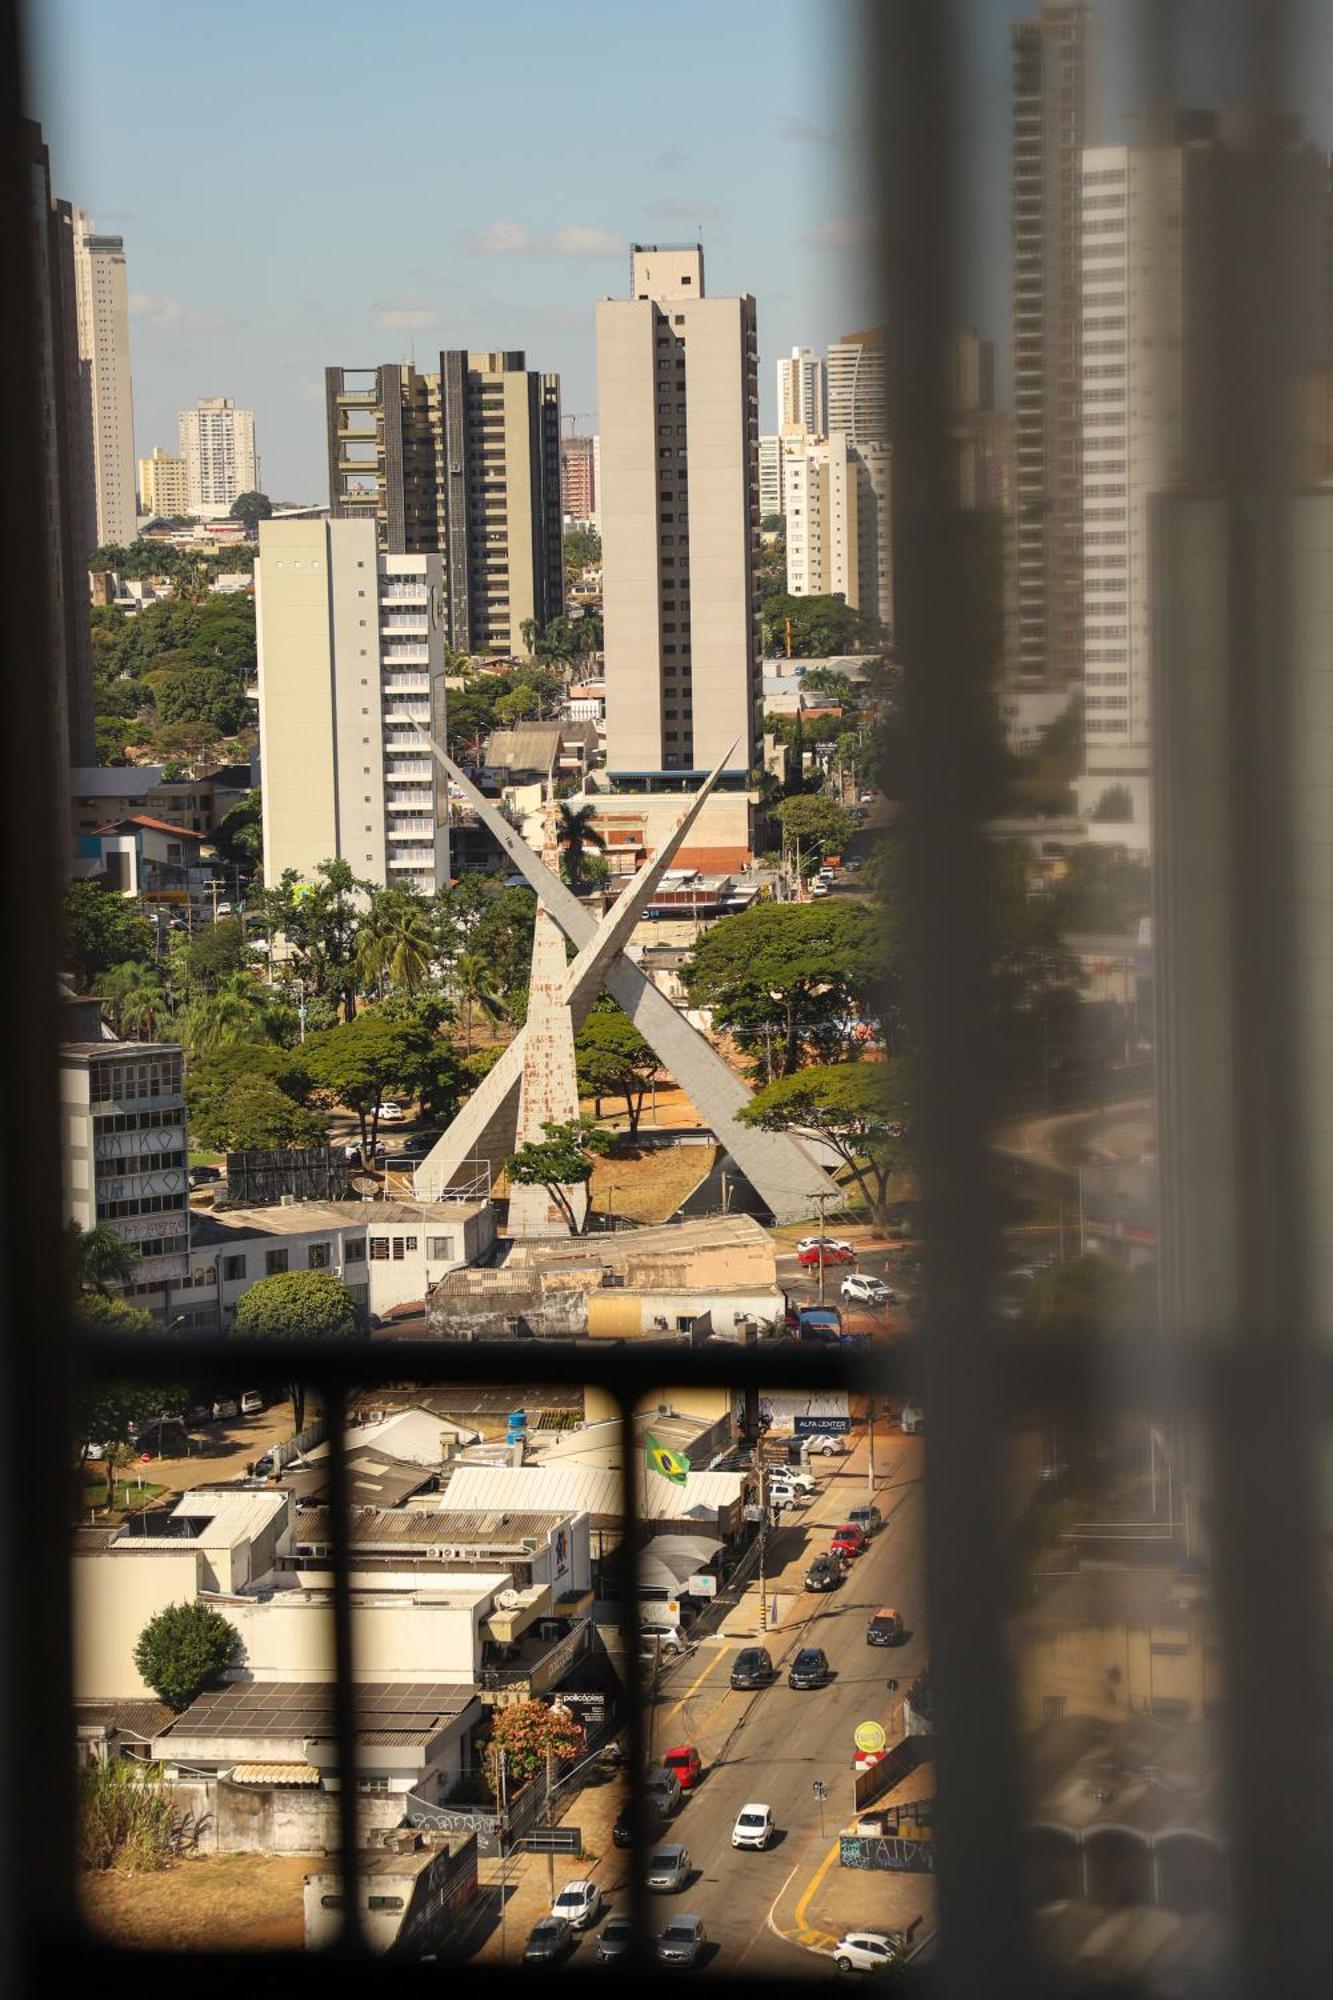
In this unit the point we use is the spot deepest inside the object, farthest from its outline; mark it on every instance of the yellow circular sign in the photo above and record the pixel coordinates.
(869, 1736)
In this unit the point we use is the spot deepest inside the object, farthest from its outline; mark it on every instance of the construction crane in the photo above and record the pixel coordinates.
(575, 417)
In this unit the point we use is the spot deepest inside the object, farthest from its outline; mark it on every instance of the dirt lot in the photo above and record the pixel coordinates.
(651, 1186)
(234, 1902)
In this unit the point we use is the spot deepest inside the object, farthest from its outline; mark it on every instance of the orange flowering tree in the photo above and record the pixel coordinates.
(526, 1731)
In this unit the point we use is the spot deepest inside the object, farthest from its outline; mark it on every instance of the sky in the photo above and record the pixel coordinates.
(313, 183)
(307, 183)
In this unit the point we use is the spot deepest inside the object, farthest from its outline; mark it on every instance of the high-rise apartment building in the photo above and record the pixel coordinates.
(1053, 119)
(982, 435)
(351, 658)
(803, 392)
(1160, 303)
(103, 316)
(126, 1158)
(578, 478)
(858, 388)
(770, 477)
(164, 485)
(217, 443)
(836, 500)
(65, 495)
(463, 464)
(679, 423)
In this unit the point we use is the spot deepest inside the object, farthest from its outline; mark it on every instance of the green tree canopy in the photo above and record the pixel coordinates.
(614, 1059)
(297, 1305)
(819, 626)
(583, 550)
(857, 1108)
(215, 952)
(813, 816)
(202, 694)
(211, 1075)
(252, 508)
(782, 978)
(255, 1116)
(576, 831)
(100, 1261)
(365, 1060)
(183, 1649)
(102, 929)
(827, 680)
(563, 1159)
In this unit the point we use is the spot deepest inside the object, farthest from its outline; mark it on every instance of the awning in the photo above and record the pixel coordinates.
(666, 1561)
(275, 1774)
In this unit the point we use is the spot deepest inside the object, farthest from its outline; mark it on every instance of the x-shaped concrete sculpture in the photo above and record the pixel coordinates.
(777, 1166)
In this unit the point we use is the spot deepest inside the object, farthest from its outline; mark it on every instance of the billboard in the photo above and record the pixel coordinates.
(783, 1407)
(805, 1427)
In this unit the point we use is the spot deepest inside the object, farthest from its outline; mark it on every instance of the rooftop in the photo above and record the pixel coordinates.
(284, 1710)
(295, 1218)
(431, 1532)
(205, 1519)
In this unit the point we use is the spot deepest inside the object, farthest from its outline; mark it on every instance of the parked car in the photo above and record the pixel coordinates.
(226, 1406)
(818, 1323)
(825, 1253)
(754, 1826)
(867, 1291)
(867, 1518)
(826, 1445)
(669, 1868)
(418, 1144)
(685, 1764)
(252, 1402)
(579, 1904)
(664, 1786)
(622, 1833)
(549, 1942)
(782, 1494)
(682, 1942)
(614, 1941)
(849, 1540)
(668, 1639)
(913, 1419)
(868, 1951)
(820, 888)
(204, 1176)
(753, 1668)
(829, 1243)
(886, 1628)
(390, 1112)
(809, 1669)
(824, 1573)
(796, 1475)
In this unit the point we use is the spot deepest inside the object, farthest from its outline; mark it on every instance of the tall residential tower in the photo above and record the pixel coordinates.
(803, 392)
(103, 313)
(679, 422)
(217, 443)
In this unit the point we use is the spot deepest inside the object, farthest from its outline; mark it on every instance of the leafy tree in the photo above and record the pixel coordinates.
(252, 508)
(517, 706)
(1115, 803)
(827, 680)
(297, 1305)
(232, 1012)
(576, 830)
(112, 739)
(526, 1733)
(100, 1261)
(322, 919)
(782, 977)
(502, 936)
(202, 694)
(364, 1060)
(395, 942)
(183, 1649)
(135, 997)
(211, 1076)
(102, 929)
(812, 816)
(473, 980)
(255, 1116)
(215, 953)
(614, 1058)
(583, 550)
(857, 1108)
(819, 626)
(563, 1159)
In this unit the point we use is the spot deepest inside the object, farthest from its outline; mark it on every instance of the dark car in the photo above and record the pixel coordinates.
(622, 1833)
(824, 1573)
(548, 1942)
(419, 1144)
(809, 1669)
(886, 1628)
(753, 1668)
(614, 1941)
(204, 1176)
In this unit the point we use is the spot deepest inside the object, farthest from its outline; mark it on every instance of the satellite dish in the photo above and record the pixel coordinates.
(508, 1600)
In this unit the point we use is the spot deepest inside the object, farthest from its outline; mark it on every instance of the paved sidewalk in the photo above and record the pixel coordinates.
(523, 1881)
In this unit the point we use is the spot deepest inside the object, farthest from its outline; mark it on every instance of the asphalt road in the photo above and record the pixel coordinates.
(773, 1745)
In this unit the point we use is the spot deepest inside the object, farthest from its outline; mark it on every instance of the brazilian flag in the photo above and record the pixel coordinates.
(672, 1465)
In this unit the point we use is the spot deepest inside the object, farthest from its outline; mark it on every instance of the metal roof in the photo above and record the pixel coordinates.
(588, 1489)
(228, 1518)
(275, 1774)
(401, 1529)
(412, 1437)
(287, 1709)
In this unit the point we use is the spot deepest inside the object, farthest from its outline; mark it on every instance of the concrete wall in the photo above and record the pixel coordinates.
(221, 1818)
(114, 1597)
(402, 1637)
(296, 721)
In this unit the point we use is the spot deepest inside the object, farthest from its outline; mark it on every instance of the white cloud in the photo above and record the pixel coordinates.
(850, 232)
(168, 315)
(514, 239)
(403, 315)
(678, 208)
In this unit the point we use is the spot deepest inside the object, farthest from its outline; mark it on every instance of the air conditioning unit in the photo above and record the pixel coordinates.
(335, 1270)
(508, 1600)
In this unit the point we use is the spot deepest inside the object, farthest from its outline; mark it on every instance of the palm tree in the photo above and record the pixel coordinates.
(230, 1014)
(100, 1259)
(395, 942)
(576, 830)
(473, 981)
(135, 998)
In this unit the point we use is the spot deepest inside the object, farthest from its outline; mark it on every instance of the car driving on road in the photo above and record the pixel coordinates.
(682, 1942)
(548, 1942)
(754, 1826)
(669, 1868)
(867, 1291)
(622, 1833)
(816, 1254)
(810, 1669)
(579, 1903)
(753, 1668)
(664, 1786)
(685, 1765)
(885, 1628)
(614, 1941)
(824, 1573)
(849, 1540)
(868, 1519)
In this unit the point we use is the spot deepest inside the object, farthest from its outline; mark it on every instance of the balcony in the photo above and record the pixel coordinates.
(521, 1672)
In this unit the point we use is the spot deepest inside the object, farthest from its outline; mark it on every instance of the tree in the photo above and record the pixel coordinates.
(322, 920)
(232, 1012)
(252, 508)
(526, 1734)
(812, 816)
(211, 1076)
(613, 1057)
(561, 1160)
(1115, 803)
(517, 706)
(583, 550)
(239, 837)
(204, 695)
(102, 929)
(297, 1305)
(819, 626)
(99, 1261)
(255, 1116)
(395, 943)
(827, 680)
(783, 977)
(576, 830)
(183, 1649)
(365, 1060)
(216, 952)
(135, 997)
(473, 981)
(857, 1108)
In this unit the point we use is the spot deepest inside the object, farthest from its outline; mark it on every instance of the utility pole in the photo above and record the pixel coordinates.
(504, 1860)
(763, 1533)
(870, 1462)
(821, 1199)
(550, 1853)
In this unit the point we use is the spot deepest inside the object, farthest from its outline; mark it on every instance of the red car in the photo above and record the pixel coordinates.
(827, 1253)
(849, 1540)
(684, 1762)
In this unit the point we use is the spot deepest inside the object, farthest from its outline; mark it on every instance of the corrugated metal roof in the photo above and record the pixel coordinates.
(289, 1709)
(412, 1437)
(275, 1774)
(586, 1489)
(229, 1518)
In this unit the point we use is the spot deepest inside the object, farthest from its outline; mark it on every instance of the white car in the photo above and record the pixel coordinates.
(867, 1951)
(869, 1291)
(829, 1243)
(754, 1826)
(826, 1445)
(792, 1475)
(390, 1112)
(579, 1903)
(913, 1419)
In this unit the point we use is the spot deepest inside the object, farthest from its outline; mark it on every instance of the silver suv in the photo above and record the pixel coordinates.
(682, 1942)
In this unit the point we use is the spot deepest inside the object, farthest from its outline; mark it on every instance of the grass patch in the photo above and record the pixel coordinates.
(127, 1495)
